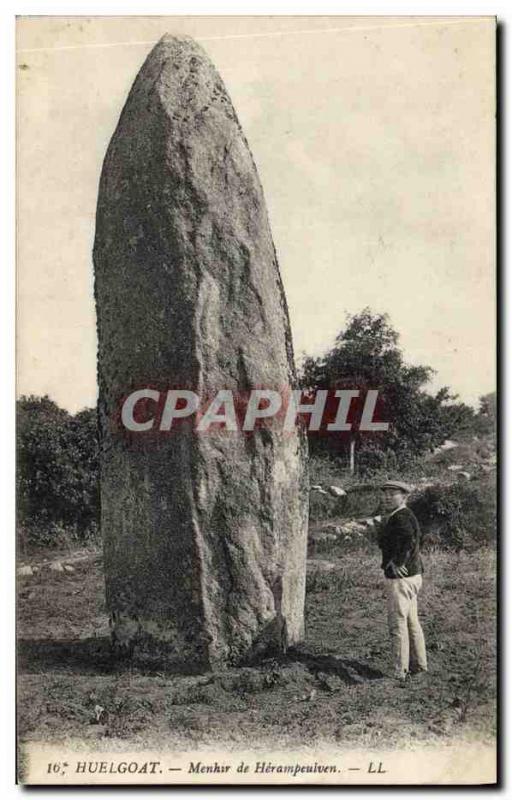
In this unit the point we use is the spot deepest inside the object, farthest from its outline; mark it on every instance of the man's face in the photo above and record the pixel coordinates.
(392, 498)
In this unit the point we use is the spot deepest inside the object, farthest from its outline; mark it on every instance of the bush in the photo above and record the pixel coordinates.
(57, 472)
(458, 515)
(372, 462)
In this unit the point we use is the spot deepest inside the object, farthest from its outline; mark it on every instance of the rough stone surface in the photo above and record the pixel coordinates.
(204, 535)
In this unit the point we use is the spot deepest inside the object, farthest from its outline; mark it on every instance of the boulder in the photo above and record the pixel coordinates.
(205, 535)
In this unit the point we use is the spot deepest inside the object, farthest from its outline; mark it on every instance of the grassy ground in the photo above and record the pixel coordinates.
(68, 688)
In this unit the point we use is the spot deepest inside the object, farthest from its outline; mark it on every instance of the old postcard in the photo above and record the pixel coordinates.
(256, 434)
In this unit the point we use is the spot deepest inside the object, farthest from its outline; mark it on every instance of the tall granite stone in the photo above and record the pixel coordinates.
(204, 534)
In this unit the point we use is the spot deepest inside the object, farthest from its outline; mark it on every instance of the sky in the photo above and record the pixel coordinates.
(374, 141)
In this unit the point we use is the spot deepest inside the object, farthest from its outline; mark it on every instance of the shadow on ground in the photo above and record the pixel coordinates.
(94, 656)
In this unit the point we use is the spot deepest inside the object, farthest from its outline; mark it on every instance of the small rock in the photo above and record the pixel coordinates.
(336, 491)
(25, 571)
(69, 568)
(455, 467)
(463, 476)
(57, 567)
(448, 445)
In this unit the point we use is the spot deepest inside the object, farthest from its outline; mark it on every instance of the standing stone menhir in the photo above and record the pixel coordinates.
(204, 534)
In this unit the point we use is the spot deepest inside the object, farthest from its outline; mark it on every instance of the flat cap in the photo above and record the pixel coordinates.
(402, 487)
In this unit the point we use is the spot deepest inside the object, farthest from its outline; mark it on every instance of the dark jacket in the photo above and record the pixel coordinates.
(400, 540)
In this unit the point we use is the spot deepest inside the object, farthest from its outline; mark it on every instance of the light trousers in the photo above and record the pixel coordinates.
(407, 640)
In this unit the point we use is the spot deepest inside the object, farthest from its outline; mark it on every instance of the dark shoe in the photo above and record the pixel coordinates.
(418, 674)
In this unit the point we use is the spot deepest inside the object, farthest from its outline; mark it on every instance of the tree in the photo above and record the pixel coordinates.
(57, 470)
(366, 355)
(487, 418)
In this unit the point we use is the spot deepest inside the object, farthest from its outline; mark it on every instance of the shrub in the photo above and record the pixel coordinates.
(57, 472)
(458, 515)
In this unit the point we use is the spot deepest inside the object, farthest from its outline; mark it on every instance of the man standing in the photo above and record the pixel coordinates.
(399, 540)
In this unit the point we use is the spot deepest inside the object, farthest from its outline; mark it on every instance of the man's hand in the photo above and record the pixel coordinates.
(317, 488)
(397, 572)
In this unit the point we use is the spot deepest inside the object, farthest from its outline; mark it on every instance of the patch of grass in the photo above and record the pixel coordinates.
(274, 704)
